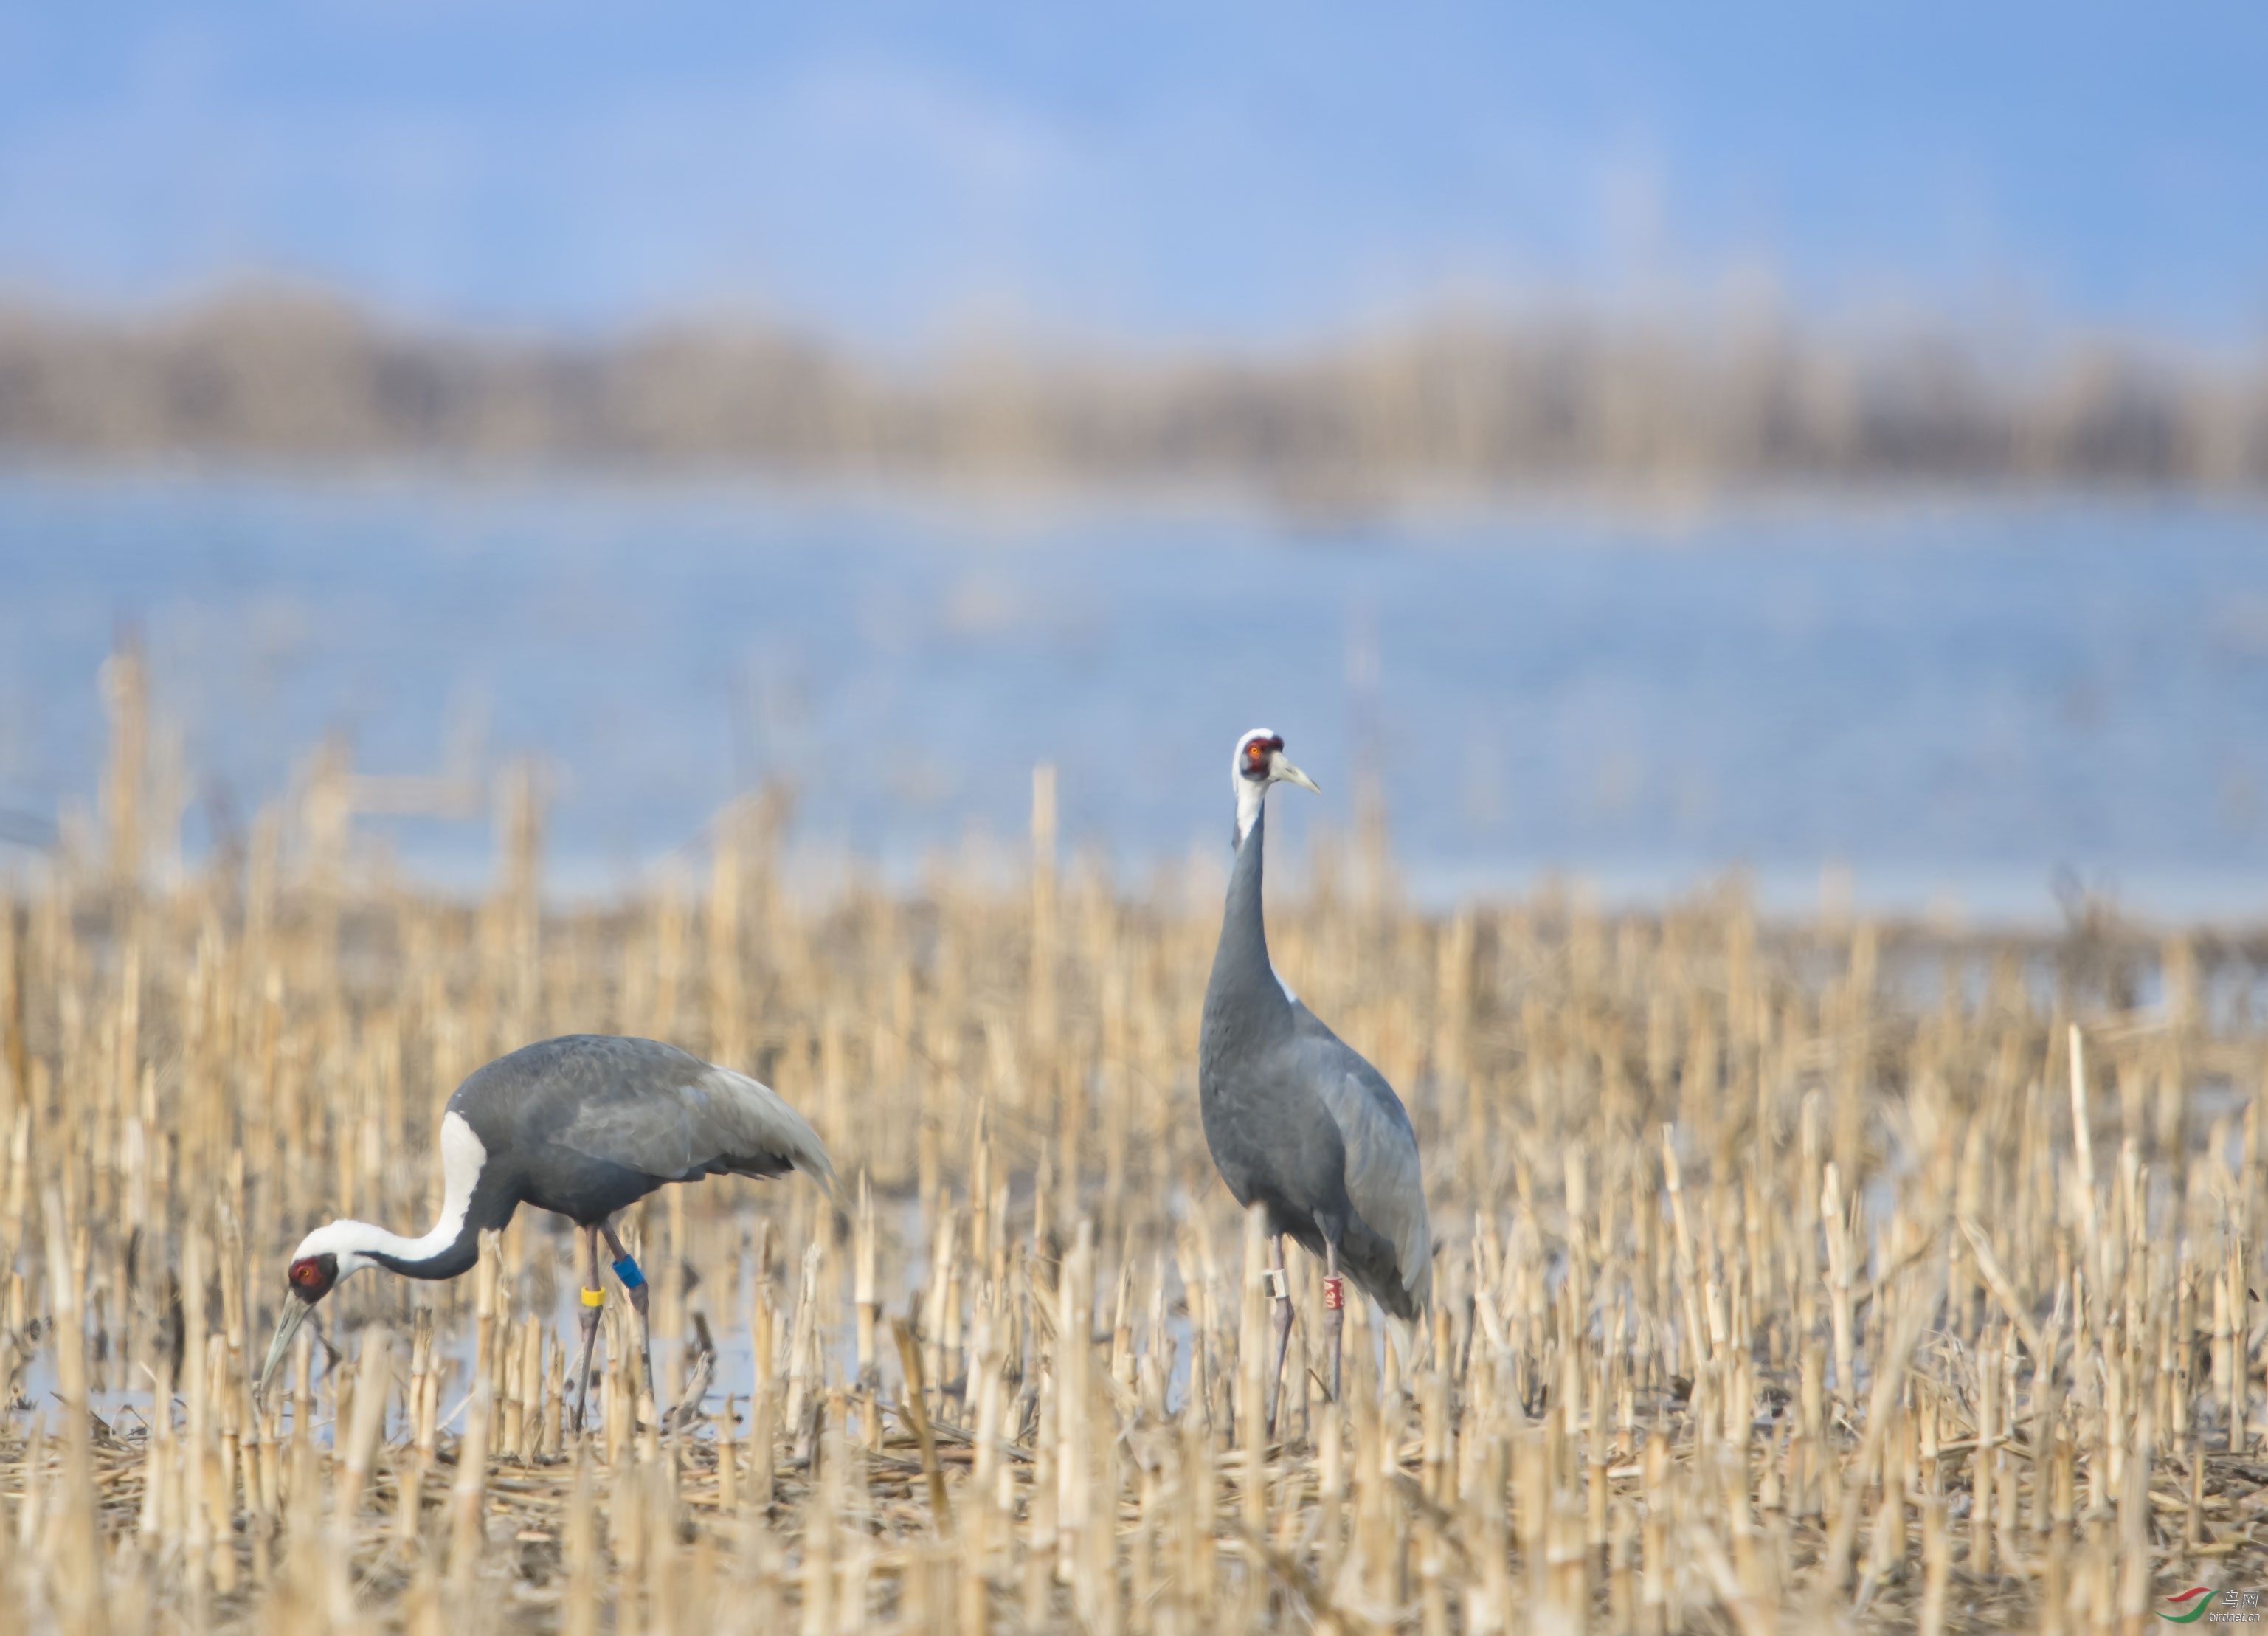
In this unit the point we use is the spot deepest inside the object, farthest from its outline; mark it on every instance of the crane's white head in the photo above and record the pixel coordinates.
(325, 1258)
(1260, 763)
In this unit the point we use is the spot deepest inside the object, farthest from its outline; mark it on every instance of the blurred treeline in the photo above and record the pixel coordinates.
(1461, 404)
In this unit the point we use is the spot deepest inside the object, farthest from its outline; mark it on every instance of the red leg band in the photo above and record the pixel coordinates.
(1333, 1294)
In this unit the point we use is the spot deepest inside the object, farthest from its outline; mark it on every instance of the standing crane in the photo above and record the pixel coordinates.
(1296, 1121)
(583, 1127)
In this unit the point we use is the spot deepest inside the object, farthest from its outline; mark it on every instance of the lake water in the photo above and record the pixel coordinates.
(1952, 701)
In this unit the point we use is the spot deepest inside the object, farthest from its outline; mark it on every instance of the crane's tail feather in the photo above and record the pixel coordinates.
(816, 1164)
(773, 1126)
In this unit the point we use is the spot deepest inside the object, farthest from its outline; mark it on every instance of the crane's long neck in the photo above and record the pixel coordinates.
(449, 1250)
(454, 1243)
(1251, 802)
(1241, 975)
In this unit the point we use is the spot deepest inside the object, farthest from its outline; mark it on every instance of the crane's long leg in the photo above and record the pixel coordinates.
(1334, 1310)
(1280, 1287)
(594, 1296)
(634, 1281)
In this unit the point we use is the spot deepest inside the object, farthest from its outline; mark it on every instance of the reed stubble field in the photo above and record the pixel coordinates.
(1790, 1275)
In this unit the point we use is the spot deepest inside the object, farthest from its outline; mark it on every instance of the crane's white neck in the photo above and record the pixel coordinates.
(1250, 793)
(357, 1244)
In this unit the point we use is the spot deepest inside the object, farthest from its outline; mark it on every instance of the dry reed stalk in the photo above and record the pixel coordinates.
(1862, 1277)
(917, 1409)
(468, 1529)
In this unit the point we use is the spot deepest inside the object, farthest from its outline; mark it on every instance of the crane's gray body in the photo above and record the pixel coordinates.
(1298, 1121)
(589, 1123)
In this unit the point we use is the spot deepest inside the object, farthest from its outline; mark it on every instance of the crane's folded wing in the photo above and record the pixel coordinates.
(1382, 1175)
(712, 1120)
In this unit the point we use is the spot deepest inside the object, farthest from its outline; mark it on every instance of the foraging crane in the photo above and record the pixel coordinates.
(1296, 1119)
(582, 1126)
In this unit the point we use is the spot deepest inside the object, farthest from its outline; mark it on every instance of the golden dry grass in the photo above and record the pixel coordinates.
(1790, 1275)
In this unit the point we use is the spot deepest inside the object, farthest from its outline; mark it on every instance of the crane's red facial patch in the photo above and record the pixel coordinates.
(1257, 757)
(313, 1276)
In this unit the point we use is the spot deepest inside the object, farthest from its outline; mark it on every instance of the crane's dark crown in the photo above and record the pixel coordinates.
(313, 1276)
(1253, 763)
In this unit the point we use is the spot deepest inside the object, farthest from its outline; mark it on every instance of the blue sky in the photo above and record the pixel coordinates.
(1175, 172)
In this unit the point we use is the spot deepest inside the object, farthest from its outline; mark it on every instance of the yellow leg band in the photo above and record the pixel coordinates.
(594, 1298)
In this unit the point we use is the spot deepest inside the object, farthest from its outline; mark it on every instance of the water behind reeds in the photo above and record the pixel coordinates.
(1788, 1273)
(1951, 701)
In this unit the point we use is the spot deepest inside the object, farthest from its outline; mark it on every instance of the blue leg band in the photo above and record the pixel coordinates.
(627, 1271)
